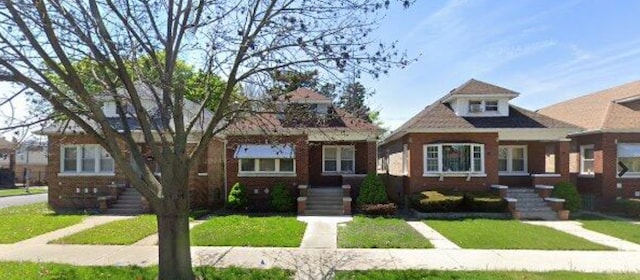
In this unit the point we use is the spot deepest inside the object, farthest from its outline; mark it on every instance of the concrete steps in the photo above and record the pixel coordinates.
(129, 203)
(531, 206)
(324, 201)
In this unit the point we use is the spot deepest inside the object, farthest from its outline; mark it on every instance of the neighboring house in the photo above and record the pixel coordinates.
(305, 141)
(473, 138)
(30, 155)
(605, 157)
(7, 163)
(308, 141)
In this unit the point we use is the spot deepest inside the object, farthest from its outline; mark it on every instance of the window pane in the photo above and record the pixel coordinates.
(588, 153)
(347, 153)
(491, 106)
(432, 158)
(432, 165)
(286, 165)
(587, 166)
(106, 162)
(247, 164)
(330, 153)
(346, 166)
(475, 106)
(70, 159)
(88, 159)
(477, 158)
(629, 155)
(267, 164)
(517, 161)
(330, 165)
(456, 157)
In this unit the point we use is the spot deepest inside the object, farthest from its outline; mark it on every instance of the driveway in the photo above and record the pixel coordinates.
(22, 200)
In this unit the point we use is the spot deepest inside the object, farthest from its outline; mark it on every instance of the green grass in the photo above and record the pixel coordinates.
(479, 275)
(29, 270)
(21, 191)
(249, 231)
(122, 232)
(509, 234)
(620, 229)
(23, 222)
(379, 232)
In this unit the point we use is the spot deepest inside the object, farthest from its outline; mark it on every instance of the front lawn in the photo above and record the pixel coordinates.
(18, 223)
(122, 232)
(509, 234)
(620, 229)
(479, 275)
(379, 232)
(30, 270)
(21, 191)
(238, 230)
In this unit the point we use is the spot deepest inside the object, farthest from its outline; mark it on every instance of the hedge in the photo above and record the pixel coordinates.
(434, 201)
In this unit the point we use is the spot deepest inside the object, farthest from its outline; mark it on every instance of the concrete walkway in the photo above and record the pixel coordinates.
(87, 223)
(309, 260)
(438, 240)
(22, 200)
(575, 228)
(321, 232)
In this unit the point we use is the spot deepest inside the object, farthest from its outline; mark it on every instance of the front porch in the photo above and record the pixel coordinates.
(529, 163)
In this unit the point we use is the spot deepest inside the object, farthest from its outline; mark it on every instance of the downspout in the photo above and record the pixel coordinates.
(224, 168)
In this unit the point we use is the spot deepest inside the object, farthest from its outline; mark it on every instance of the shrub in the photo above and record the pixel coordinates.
(433, 201)
(281, 199)
(385, 209)
(237, 199)
(372, 191)
(569, 193)
(630, 207)
(467, 203)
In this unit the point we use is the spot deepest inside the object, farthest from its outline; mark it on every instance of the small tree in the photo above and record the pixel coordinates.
(569, 193)
(372, 190)
(281, 199)
(237, 199)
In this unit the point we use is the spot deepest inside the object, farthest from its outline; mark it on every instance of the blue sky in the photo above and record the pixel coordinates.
(548, 51)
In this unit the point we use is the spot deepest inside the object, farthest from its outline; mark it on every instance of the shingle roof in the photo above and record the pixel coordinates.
(304, 94)
(603, 110)
(474, 86)
(440, 115)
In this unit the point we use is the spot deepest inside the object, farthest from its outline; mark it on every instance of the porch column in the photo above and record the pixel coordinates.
(562, 159)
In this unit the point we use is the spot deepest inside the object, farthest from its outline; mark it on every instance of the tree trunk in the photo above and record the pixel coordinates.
(174, 242)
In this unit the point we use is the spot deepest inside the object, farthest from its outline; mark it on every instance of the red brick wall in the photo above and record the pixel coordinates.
(256, 185)
(418, 183)
(62, 190)
(365, 162)
(604, 183)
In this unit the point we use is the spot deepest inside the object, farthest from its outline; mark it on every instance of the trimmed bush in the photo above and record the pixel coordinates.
(237, 199)
(281, 199)
(630, 207)
(387, 209)
(372, 191)
(569, 193)
(436, 202)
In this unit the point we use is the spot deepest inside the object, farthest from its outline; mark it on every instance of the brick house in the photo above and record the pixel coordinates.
(605, 155)
(473, 138)
(306, 142)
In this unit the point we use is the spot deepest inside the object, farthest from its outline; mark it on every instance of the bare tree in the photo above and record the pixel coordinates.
(241, 41)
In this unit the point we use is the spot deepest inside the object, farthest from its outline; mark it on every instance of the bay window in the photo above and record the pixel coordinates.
(512, 159)
(453, 158)
(338, 159)
(85, 159)
(629, 156)
(587, 159)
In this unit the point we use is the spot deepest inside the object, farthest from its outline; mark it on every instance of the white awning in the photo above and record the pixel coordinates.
(265, 151)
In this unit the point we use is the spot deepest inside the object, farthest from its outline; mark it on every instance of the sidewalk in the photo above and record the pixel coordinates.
(340, 259)
(575, 228)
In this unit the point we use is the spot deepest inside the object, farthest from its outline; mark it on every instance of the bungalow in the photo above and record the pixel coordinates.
(473, 138)
(605, 154)
(306, 143)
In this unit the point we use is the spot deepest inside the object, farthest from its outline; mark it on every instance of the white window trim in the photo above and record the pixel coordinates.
(78, 171)
(582, 159)
(405, 159)
(258, 173)
(440, 172)
(339, 159)
(509, 171)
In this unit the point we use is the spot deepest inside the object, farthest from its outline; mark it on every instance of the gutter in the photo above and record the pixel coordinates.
(224, 169)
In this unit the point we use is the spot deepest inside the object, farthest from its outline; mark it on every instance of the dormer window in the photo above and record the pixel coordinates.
(475, 106)
(491, 106)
